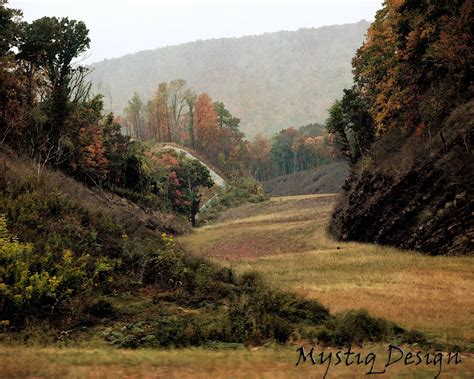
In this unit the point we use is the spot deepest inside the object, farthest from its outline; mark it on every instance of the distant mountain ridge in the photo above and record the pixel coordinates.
(270, 81)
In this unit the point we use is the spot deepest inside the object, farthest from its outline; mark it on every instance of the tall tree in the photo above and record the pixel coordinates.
(134, 112)
(205, 123)
(191, 102)
(352, 124)
(229, 134)
(160, 114)
(177, 93)
(336, 124)
(193, 175)
(48, 46)
(260, 162)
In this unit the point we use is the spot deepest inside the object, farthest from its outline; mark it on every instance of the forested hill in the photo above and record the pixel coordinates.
(271, 81)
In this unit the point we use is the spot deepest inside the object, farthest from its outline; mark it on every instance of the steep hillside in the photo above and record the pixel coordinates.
(19, 176)
(325, 179)
(419, 197)
(270, 81)
(408, 128)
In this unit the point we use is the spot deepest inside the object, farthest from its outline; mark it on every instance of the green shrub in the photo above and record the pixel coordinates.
(355, 327)
(131, 336)
(23, 283)
(166, 267)
(282, 329)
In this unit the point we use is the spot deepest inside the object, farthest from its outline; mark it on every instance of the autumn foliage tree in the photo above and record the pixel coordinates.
(416, 63)
(413, 68)
(205, 124)
(160, 114)
(260, 158)
(93, 161)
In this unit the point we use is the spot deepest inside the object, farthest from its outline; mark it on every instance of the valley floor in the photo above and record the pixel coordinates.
(285, 240)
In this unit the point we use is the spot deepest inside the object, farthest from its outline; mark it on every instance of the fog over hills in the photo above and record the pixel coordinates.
(270, 81)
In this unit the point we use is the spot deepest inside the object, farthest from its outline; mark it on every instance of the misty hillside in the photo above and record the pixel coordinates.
(327, 178)
(271, 81)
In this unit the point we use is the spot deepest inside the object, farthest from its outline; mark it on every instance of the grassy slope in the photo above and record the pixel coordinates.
(285, 239)
(328, 178)
(116, 207)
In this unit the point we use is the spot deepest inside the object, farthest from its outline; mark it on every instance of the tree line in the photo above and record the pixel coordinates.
(176, 114)
(291, 150)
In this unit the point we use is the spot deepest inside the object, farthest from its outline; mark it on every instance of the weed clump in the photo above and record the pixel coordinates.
(355, 327)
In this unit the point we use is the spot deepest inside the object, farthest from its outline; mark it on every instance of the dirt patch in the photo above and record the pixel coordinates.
(253, 245)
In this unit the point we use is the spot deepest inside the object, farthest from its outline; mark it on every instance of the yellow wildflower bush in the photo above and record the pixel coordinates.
(31, 282)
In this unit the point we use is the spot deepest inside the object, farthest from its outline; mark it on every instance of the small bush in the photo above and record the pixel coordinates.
(131, 336)
(354, 327)
(101, 308)
(414, 337)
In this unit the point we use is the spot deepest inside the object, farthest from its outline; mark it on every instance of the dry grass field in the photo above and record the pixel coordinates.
(285, 239)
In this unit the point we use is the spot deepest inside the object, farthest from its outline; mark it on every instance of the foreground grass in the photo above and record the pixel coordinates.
(270, 362)
(285, 240)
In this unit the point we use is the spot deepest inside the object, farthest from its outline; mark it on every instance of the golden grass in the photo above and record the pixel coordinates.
(303, 197)
(285, 240)
(271, 362)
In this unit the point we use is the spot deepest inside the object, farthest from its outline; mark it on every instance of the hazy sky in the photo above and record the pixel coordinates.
(119, 27)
